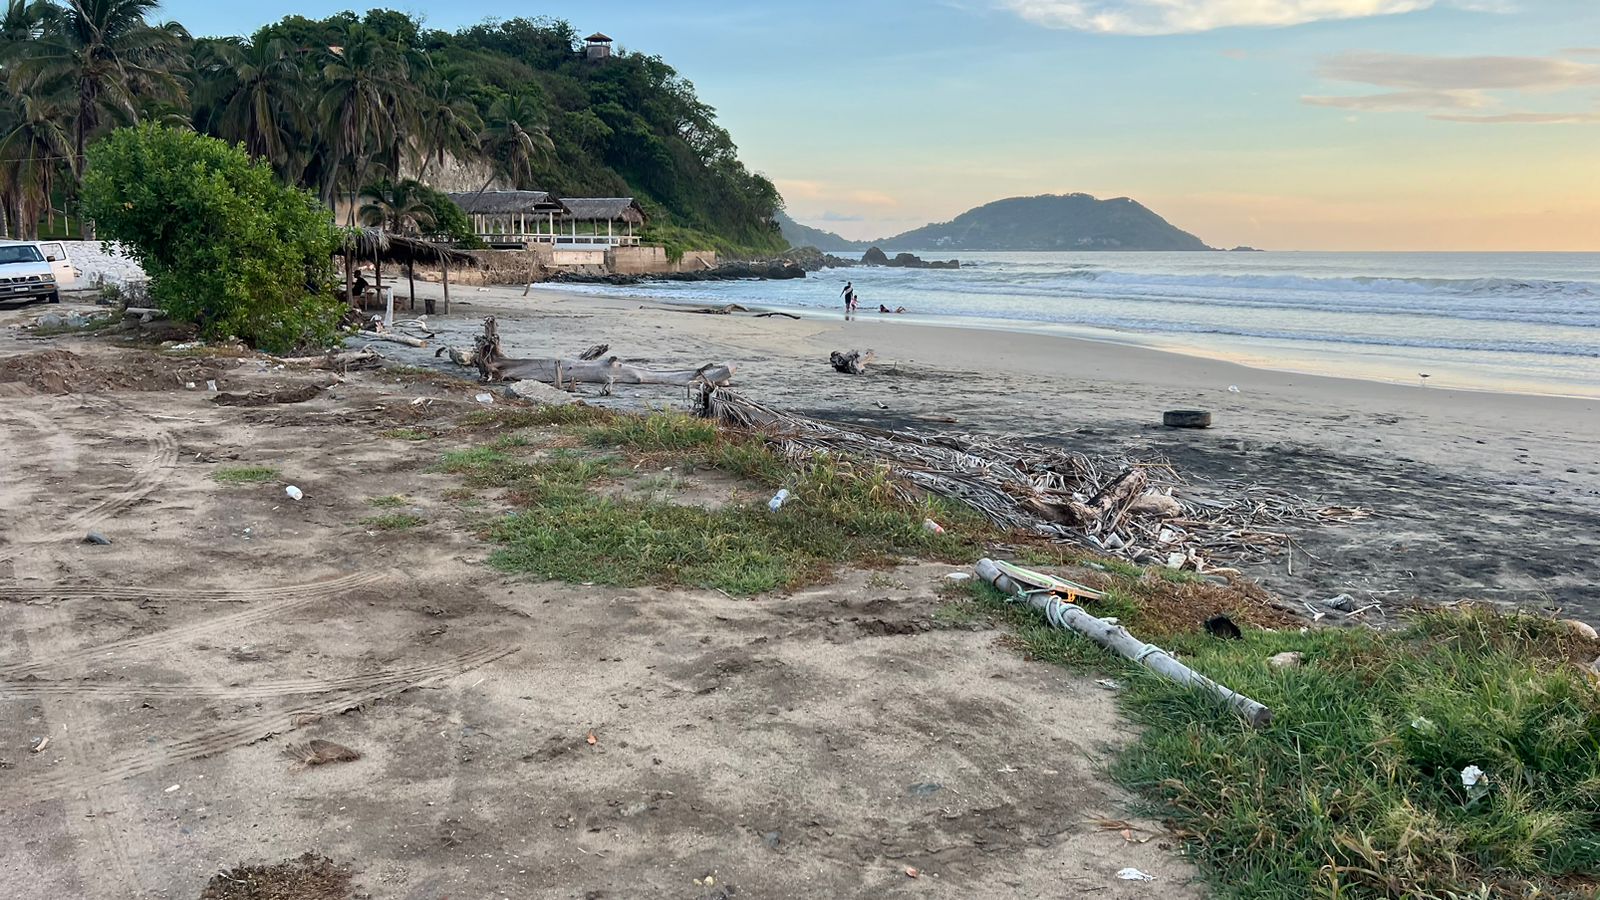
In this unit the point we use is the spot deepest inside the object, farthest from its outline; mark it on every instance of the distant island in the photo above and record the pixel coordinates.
(1045, 222)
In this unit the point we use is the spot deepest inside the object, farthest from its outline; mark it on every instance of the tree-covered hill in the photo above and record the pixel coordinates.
(356, 102)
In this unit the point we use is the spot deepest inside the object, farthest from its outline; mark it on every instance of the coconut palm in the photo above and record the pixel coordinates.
(108, 56)
(32, 149)
(396, 206)
(256, 94)
(515, 138)
(449, 124)
(361, 80)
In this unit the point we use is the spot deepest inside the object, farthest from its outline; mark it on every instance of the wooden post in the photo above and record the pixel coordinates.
(377, 277)
(444, 269)
(411, 278)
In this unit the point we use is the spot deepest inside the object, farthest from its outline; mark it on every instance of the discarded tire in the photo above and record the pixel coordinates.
(1186, 418)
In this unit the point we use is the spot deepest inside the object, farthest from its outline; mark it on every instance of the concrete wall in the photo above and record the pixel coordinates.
(653, 261)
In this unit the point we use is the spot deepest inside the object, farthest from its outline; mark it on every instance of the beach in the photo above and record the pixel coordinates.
(1475, 494)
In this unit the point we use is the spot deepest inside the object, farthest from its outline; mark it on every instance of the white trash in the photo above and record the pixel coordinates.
(932, 527)
(485, 398)
(778, 499)
(211, 385)
(1132, 874)
(293, 492)
(1233, 389)
(958, 576)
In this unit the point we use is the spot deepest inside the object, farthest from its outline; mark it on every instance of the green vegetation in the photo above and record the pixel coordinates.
(1355, 790)
(393, 522)
(392, 501)
(407, 434)
(245, 475)
(224, 243)
(364, 105)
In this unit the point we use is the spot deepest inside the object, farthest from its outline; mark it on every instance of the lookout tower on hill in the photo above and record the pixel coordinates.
(597, 46)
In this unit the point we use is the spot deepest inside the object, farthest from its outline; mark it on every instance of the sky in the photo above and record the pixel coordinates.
(1283, 124)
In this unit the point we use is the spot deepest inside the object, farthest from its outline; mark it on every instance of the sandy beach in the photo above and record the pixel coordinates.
(1475, 494)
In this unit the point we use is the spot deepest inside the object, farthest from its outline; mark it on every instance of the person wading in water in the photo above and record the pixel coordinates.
(849, 295)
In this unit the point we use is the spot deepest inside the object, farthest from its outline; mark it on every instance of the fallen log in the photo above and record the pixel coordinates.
(139, 312)
(406, 339)
(767, 315)
(468, 357)
(1072, 617)
(606, 371)
(343, 360)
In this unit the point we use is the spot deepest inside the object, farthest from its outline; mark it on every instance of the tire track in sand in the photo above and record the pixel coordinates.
(114, 767)
(305, 595)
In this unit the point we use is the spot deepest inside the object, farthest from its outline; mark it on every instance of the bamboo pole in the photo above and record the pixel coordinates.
(444, 269)
(1115, 638)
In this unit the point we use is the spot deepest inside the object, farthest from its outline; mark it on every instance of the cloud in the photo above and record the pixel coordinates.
(831, 216)
(1522, 118)
(1151, 17)
(1403, 100)
(1581, 51)
(794, 188)
(872, 198)
(1451, 73)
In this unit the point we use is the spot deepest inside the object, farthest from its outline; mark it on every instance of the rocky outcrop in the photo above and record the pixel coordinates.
(876, 257)
(812, 260)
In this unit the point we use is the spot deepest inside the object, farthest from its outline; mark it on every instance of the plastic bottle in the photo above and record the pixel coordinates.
(778, 500)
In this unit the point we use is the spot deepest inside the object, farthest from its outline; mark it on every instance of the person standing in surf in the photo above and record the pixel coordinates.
(849, 295)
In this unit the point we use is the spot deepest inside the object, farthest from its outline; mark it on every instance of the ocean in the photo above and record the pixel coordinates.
(1527, 322)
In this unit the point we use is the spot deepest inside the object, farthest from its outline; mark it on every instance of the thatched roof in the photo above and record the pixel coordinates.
(506, 202)
(597, 38)
(603, 209)
(367, 243)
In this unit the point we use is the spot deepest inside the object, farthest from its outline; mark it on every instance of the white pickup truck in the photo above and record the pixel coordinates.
(35, 270)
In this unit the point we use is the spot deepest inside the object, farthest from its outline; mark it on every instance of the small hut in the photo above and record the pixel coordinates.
(382, 246)
(511, 218)
(586, 216)
(597, 46)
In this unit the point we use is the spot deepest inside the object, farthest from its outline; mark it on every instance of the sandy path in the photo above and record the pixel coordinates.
(808, 745)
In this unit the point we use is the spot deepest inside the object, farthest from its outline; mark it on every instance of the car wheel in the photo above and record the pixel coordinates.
(55, 297)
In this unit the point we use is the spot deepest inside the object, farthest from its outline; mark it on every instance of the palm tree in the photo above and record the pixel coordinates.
(109, 57)
(32, 150)
(256, 93)
(449, 124)
(362, 78)
(398, 207)
(514, 140)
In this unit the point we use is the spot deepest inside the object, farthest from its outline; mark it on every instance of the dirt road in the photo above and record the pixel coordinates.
(517, 739)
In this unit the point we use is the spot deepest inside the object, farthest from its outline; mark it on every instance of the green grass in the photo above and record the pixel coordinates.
(408, 434)
(1354, 790)
(245, 475)
(393, 501)
(395, 521)
(521, 417)
(662, 431)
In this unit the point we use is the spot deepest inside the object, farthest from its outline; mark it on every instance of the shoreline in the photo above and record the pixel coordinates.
(1308, 360)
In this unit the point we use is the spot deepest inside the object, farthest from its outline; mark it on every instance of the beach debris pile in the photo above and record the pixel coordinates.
(494, 365)
(1141, 510)
(853, 362)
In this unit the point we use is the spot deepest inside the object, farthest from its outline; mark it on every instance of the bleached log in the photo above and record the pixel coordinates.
(406, 339)
(341, 360)
(1115, 638)
(606, 371)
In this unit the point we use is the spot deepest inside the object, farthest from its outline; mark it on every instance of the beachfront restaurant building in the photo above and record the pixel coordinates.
(522, 219)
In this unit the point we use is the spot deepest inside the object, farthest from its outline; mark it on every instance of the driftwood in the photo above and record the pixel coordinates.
(139, 312)
(341, 361)
(606, 371)
(1062, 613)
(727, 310)
(1139, 509)
(458, 356)
(494, 365)
(406, 339)
(595, 352)
(852, 363)
(768, 315)
(266, 398)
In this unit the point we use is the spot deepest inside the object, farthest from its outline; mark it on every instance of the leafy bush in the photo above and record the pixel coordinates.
(224, 243)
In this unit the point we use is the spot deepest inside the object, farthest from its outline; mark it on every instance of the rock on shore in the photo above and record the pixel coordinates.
(876, 257)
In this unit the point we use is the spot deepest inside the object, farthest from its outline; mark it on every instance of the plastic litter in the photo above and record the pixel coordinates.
(932, 527)
(1110, 684)
(293, 492)
(211, 385)
(958, 576)
(1233, 389)
(485, 398)
(1132, 874)
(778, 499)
(95, 537)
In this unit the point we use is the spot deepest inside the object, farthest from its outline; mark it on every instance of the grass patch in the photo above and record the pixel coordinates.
(245, 475)
(393, 501)
(836, 515)
(1355, 789)
(573, 414)
(661, 431)
(407, 434)
(393, 522)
